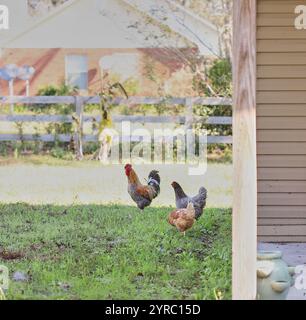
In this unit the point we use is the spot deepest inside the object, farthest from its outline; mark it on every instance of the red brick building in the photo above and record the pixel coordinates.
(52, 66)
(121, 35)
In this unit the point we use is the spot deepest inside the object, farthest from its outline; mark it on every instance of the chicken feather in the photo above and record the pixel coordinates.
(182, 200)
(141, 194)
(183, 219)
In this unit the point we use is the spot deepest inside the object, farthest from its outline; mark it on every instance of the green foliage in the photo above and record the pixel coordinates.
(60, 153)
(149, 71)
(90, 148)
(220, 76)
(50, 90)
(131, 86)
(2, 295)
(62, 90)
(216, 81)
(113, 252)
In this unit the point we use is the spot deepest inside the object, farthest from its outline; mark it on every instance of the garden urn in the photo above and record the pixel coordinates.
(274, 277)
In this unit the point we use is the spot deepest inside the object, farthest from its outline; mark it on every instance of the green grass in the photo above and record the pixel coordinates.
(50, 160)
(47, 160)
(114, 252)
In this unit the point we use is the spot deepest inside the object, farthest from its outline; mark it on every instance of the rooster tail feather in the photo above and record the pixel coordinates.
(154, 180)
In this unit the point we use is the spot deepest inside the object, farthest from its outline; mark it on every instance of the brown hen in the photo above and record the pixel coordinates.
(183, 219)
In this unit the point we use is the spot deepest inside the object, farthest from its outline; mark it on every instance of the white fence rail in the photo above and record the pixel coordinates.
(117, 101)
(132, 119)
(80, 102)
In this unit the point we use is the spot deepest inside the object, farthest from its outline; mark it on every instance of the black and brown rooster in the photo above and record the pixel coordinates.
(141, 194)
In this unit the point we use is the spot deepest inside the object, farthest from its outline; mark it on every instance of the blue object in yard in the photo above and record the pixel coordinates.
(9, 72)
(26, 72)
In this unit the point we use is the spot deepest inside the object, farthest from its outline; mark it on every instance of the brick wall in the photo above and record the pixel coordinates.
(50, 67)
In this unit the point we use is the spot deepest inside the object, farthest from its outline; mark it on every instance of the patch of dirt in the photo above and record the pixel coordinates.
(37, 246)
(11, 255)
(55, 214)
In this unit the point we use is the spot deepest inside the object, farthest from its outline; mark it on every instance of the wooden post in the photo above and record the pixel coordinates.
(11, 93)
(190, 139)
(244, 151)
(78, 137)
(27, 88)
(189, 113)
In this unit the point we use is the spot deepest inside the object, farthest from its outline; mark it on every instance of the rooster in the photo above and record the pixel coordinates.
(142, 194)
(183, 219)
(182, 200)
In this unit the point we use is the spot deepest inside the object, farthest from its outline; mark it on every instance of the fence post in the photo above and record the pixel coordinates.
(78, 132)
(190, 138)
(11, 89)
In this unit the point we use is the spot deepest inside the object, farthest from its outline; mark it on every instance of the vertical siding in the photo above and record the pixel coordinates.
(281, 123)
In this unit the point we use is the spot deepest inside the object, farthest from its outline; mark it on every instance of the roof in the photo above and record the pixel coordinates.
(120, 23)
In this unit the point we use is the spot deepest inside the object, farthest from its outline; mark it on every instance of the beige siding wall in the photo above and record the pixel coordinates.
(281, 123)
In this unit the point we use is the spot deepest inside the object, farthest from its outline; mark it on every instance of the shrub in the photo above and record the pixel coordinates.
(220, 77)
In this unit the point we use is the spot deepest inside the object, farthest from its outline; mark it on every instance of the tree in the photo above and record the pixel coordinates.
(219, 12)
(37, 7)
(216, 11)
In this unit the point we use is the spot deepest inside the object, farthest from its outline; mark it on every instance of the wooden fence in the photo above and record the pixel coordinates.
(188, 119)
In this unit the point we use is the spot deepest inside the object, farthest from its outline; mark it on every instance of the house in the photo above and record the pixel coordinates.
(128, 38)
(269, 136)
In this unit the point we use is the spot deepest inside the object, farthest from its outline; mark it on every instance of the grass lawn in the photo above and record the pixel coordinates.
(113, 252)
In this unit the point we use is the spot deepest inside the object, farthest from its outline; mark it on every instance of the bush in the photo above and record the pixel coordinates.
(60, 153)
(220, 77)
